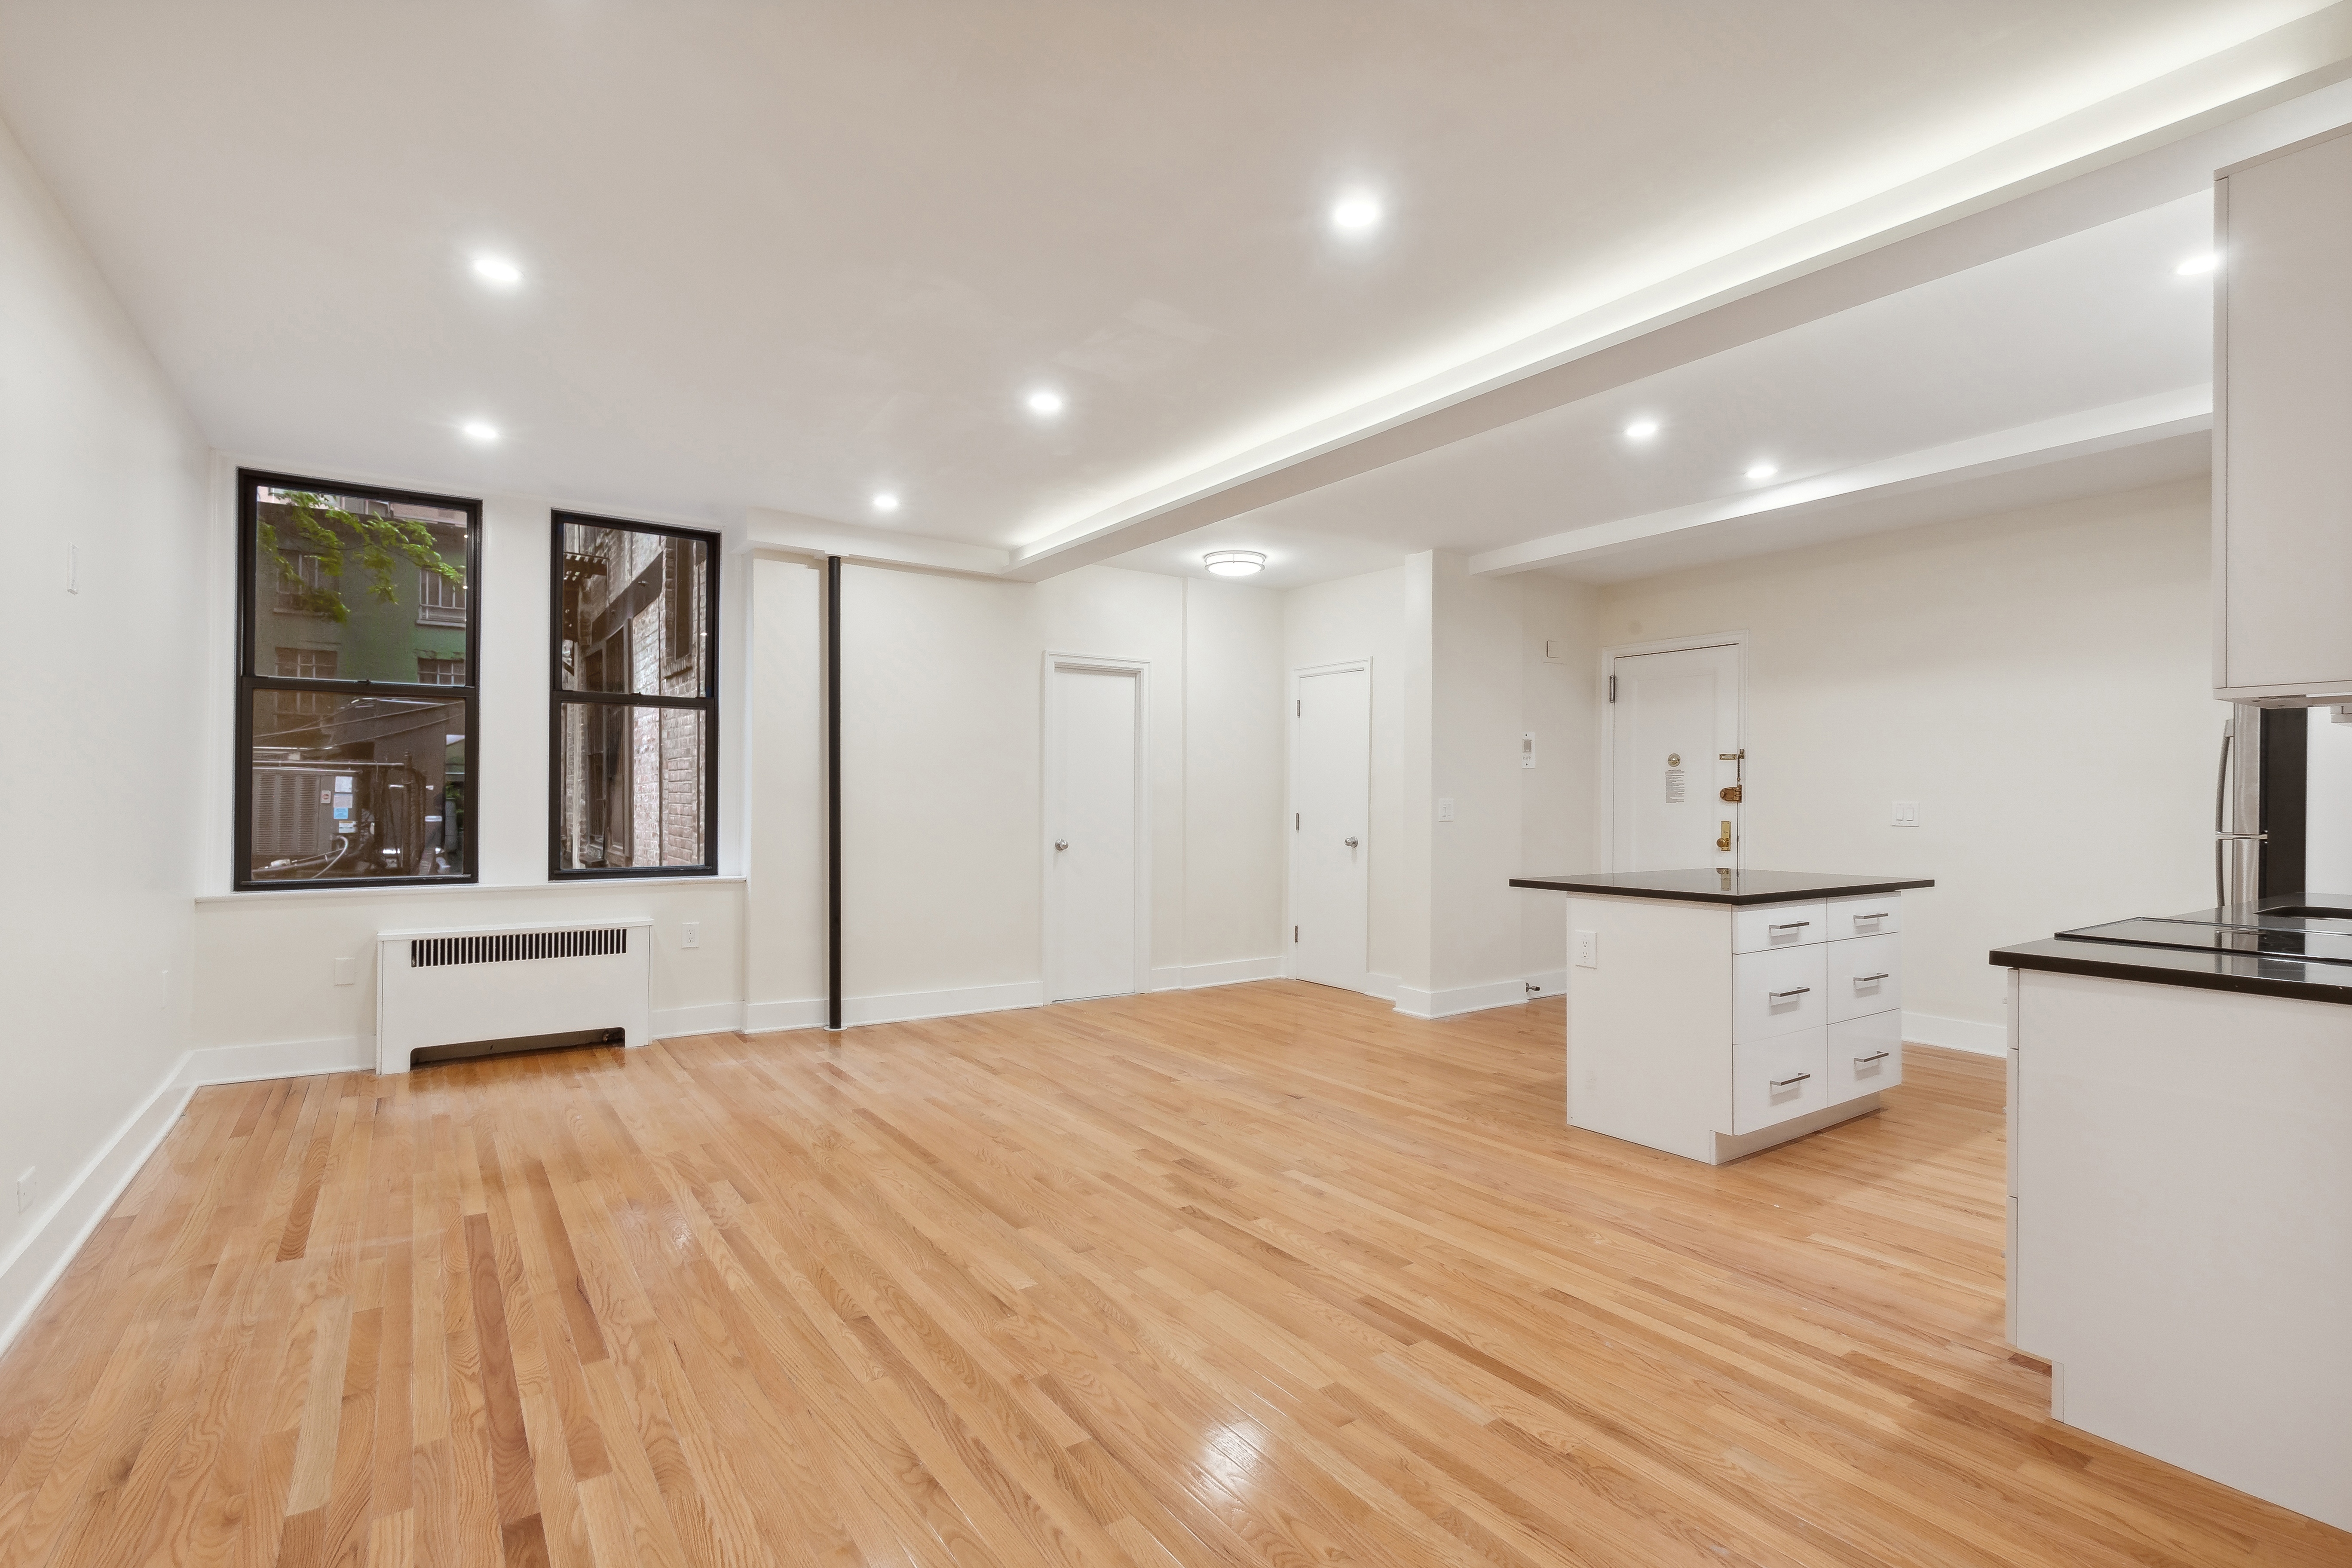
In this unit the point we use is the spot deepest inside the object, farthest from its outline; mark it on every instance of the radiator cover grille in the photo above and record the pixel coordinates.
(519, 947)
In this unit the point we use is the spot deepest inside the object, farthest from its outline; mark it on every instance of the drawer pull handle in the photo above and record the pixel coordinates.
(1791, 926)
(1784, 996)
(1873, 1057)
(1791, 1082)
(1866, 979)
(1879, 916)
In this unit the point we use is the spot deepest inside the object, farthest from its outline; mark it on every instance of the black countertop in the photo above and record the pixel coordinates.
(2293, 944)
(1706, 886)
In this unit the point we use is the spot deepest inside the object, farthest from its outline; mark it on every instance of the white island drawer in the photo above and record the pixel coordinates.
(1865, 1055)
(1865, 976)
(1774, 1079)
(1777, 993)
(1760, 928)
(1881, 915)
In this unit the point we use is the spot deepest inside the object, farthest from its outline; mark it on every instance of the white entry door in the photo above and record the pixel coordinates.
(1330, 860)
(1093, 832)
(1675, 745)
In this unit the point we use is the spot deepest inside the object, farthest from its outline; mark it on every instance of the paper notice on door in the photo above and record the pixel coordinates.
(1674, 787)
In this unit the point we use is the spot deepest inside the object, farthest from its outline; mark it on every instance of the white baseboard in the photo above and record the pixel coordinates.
(1383, 986)
(1415, 1003)
(767, 1018)
(1199, 976)
(289, 1058)
(902, 1007)
(710, 1019)
(1955, 1034)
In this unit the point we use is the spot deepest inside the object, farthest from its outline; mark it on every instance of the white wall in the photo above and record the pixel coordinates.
(1458, 674)
(100, 785)
(2039, 681)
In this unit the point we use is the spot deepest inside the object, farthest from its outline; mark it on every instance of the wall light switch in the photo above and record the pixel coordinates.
(1587, 950)
(1906, 814)
(28, 1189)
(1555, 650)
(1527, 749)
(347, 971)
(693, 937)
(1444, 808)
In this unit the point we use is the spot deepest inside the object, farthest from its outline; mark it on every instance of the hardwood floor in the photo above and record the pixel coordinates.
(1266, 1275)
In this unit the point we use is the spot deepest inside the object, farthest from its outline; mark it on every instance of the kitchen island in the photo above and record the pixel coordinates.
(2180, 1189)
(1714, 1012)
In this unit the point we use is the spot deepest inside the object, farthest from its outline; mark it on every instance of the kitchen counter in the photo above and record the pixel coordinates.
(1702, 884)
(2296, 945)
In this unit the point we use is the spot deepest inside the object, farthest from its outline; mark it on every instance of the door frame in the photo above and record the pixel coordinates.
(1608, 657)
(1300, 674)
(1050, 733)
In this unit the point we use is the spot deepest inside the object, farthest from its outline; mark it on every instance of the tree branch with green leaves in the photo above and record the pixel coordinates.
(322, 529)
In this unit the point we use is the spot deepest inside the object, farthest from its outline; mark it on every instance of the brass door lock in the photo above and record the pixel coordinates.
(1730, 793)
(1723, 839)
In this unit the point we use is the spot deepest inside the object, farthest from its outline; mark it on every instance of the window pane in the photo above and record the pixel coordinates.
(374, 586)
(637, 615)
(631, 789)
(356, 787)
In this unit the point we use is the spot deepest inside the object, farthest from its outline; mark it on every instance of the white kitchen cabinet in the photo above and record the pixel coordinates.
(2282, 404)
(1712, 1028)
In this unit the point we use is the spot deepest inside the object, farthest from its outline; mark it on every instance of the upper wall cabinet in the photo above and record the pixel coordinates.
(2283, 424)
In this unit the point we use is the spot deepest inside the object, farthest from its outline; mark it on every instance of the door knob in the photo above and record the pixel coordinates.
(1348, 842)
(1723, 839)
(1061, 844)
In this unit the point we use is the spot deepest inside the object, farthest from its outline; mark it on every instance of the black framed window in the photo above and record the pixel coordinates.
(356, 706)
(633, 723)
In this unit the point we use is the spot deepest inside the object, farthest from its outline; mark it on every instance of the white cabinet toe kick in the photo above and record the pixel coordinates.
(1713, 1031)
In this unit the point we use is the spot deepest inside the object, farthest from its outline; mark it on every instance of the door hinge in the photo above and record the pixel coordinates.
(1294, 820)
(1612, 688)
(1301, 712)
(1294, 933)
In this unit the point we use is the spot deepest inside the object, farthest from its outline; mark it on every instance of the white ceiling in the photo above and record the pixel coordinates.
(2099, 318)
(783, 255)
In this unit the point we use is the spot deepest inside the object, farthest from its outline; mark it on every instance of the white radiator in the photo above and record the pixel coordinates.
(504, 983)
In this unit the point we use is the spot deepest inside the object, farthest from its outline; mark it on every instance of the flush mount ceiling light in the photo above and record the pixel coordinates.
(1641, 430)
(480, 430)
(886, 502)
(1762, 471)
(1044, 402)
(1234, 563)
(497, 272)
(1358, 212)
(2198, 263)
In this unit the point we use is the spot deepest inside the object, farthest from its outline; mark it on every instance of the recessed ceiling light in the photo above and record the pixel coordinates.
(1763, 470)
(1641, 430)
(1233, 563)
(1356, 212)
(2196, 264)
(1045, 402)
(886, 502)
(480, 430)
(497, 270)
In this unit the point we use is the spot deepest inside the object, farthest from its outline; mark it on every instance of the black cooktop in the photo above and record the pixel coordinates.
(2293, 944)
(2312, 940)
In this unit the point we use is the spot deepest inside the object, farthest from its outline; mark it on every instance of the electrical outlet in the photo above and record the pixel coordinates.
(347, 972)
(1444, 808)
(28, 1189)
(693, 937)
(1587, 950)
(1906, 814)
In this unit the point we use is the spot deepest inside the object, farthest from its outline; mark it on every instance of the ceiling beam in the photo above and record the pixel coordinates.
(2082, 433)
(1602, 350)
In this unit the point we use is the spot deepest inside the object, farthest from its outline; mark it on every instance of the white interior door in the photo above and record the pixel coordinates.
(1331, 885)
(1094, 833)
(1673, 736)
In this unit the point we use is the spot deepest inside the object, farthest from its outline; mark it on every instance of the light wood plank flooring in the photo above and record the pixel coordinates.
(1261, 1276)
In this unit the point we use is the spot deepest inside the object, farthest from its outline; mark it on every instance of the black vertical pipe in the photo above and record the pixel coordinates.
(833, 789)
